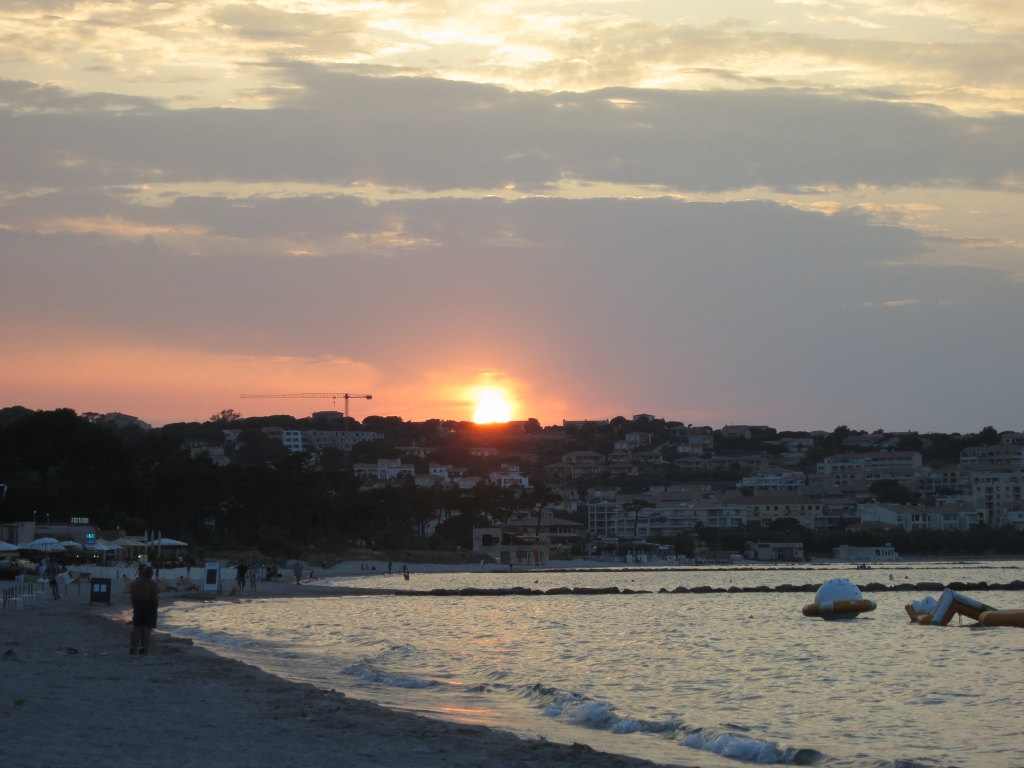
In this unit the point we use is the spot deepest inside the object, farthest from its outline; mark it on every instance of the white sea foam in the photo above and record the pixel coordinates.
(371, 675)
(740, 747)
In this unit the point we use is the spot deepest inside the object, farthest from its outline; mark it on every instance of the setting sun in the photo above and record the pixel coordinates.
(491, 406)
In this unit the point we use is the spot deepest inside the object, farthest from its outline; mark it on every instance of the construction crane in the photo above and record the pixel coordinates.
(323, 396)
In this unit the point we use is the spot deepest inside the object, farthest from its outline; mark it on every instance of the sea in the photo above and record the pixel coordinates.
(714, 680)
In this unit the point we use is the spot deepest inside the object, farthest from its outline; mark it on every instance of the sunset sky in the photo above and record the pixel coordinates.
(801, 213)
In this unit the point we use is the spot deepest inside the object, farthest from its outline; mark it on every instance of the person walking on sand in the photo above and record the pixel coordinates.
(145, 600)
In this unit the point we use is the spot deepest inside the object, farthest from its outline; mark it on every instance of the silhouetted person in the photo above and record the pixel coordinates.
(145, 599)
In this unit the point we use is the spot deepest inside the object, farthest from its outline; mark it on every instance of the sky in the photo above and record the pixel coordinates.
(799, 213)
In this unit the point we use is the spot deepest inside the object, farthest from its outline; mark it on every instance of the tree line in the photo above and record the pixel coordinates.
(67, 466)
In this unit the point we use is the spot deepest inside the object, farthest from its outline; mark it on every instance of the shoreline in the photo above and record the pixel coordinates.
(71, 694)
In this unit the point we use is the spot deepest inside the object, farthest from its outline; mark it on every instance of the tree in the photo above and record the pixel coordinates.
(635, 506)
(989, 436)
(891, 492)
(227, 415)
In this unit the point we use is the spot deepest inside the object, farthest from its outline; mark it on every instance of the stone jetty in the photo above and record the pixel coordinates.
(921, 586)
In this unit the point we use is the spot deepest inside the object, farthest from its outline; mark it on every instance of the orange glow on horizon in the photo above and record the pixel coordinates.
(492, 406)
(169, 384)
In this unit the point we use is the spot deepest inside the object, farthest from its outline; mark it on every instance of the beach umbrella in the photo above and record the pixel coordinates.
(71, 545)
(165, 542)
(128, 543)
(5, 547)
(45, 544)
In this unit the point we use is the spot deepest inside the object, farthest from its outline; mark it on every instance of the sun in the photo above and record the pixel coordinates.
(491, 406)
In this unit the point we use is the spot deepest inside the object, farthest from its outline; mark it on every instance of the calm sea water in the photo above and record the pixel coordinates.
(709, 680)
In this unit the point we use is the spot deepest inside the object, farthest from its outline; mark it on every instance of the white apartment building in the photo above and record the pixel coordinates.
(997, 493)
(808, 511)
(617, 519)
(509, 476)
(292, 440)
(385, 469)
(299, 441)
(342, 439)
(885, 461)
(911, 518)
(780, 480)
(693, 441)
(1008, 454)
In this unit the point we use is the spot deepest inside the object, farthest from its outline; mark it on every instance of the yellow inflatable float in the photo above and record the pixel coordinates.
(995, 618)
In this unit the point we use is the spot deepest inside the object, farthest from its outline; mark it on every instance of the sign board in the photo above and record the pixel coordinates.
(211, 579)
(99, 591)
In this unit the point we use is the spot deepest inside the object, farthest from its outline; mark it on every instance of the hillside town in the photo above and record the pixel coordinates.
(870, 482)
(639, 489)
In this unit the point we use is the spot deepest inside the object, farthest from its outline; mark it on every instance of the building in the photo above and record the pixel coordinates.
(509, 476)
(385, 469)
(1004, 454)
(995, 493)
(865, 554)
(779, 480)
(885, 461)
(525, 541)
(774, 552)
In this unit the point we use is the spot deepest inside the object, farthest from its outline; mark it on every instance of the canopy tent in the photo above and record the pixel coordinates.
(5, 547)
(165, 542)
(71, 544)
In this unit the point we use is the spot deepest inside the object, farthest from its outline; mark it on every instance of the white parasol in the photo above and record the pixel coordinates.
(165, 542)
(127, 543)
(45, 544)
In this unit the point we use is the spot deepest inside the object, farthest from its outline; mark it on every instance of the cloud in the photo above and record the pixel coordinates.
(752, 309)
(435, 135)
(805, 216)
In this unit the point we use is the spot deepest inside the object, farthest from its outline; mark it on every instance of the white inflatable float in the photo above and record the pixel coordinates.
(838, 599)
(950, 603)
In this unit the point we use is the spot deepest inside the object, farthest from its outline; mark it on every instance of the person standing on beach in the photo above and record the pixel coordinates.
(297, 571)
(240, 571)
(52, 572)
(145, 600)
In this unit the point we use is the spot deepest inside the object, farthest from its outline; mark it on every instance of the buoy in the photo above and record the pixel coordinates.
(996, 618)
(838, 599)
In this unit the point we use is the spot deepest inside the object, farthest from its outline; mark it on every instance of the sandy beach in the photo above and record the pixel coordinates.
(71, 695)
